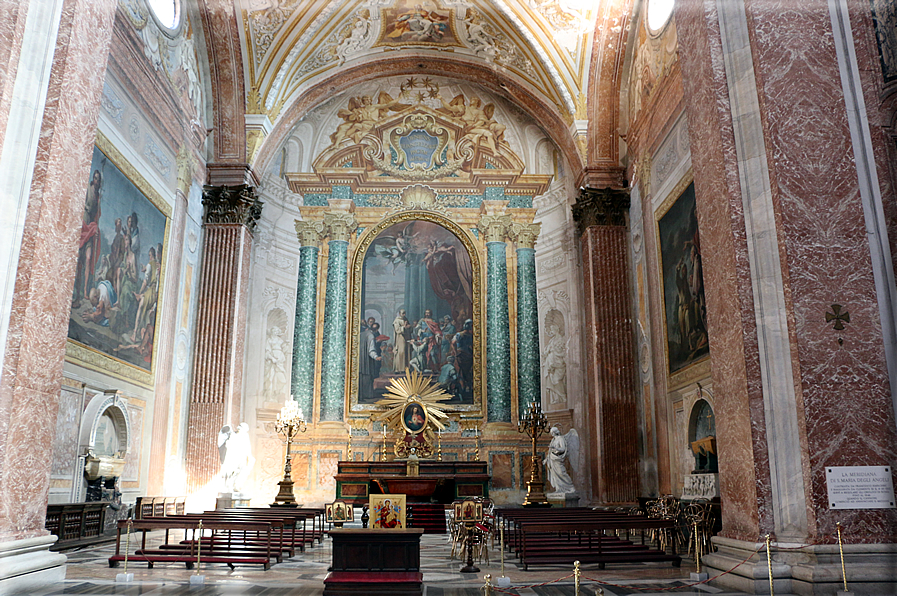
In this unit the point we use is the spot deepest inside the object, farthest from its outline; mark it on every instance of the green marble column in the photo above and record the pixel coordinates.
(302, 372)
(333, 357)
(494, 229)
(529, 382)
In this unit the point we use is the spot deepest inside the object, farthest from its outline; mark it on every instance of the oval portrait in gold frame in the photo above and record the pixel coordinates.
(414, 417)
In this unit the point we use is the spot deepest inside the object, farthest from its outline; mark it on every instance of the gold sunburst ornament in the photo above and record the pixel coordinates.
(413, 402)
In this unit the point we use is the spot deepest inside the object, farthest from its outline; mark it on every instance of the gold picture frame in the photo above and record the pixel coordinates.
(387, 512)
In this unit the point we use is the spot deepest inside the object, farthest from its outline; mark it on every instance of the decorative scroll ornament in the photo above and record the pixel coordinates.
(232, 205)
(525, 234)
(419, 149)
(495, 228)
(600, 207)
(310, 233)
(340, 225)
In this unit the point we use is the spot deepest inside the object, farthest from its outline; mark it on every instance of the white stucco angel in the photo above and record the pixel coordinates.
(235, 450)
(560, 449)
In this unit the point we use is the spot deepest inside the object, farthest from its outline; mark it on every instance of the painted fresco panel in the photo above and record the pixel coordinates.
(416, 311)
(119, 270)
(683, 283)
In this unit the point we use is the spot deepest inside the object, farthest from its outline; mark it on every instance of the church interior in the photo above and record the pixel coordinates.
(585, 254)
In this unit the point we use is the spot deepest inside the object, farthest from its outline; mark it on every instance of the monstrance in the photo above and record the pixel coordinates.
(413, 402)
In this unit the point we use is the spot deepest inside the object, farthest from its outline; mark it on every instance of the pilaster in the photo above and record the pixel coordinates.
(612, 405)
(231, 214)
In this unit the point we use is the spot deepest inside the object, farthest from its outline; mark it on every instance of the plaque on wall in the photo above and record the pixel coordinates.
(860, 487)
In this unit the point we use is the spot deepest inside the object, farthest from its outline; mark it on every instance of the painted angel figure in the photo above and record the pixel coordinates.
(362, 114)
(562, 447)
(479, 126)
(398, 249)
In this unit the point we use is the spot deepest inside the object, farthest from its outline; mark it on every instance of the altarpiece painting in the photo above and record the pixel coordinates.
(417, 310)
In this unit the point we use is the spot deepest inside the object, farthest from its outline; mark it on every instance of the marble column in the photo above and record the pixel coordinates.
(302, 371)
(612, 406)
(529, 379)
(231, 213)
(333, 351)
(48, 121)
(494, 228)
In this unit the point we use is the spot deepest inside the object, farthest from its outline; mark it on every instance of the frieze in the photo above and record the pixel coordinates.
(231, 205)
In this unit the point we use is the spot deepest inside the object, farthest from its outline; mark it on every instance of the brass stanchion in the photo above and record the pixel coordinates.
(487, 587)
(128, 546)
(697, 550)
(196, 578)
(125, 577)
(576, 575)
(769, 565)
(841, 552)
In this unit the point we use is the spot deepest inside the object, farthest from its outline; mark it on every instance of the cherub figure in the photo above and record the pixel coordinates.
(362, 114)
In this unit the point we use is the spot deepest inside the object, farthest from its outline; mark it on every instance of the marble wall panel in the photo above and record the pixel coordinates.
(68, 427)
(502, 469)
(327, 468)
(136, 415)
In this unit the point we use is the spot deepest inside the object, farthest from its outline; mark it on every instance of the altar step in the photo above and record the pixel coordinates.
(429, 516)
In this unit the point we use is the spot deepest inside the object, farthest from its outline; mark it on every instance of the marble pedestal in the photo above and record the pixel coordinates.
(563, 499)
(871, 568)
(28, 565)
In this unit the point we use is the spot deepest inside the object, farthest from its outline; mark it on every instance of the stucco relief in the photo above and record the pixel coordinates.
(654, 57)
(276, 378)
(555, 307)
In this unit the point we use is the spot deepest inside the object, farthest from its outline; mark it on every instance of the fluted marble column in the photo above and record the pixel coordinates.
(612, 406)
(494, 229)
(231, 213)
(333, 356)
(529, 380)
(302, 376)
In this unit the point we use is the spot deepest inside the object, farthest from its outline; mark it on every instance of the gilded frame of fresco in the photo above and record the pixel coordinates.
(700, 367)
(92, 358)
(355, 408)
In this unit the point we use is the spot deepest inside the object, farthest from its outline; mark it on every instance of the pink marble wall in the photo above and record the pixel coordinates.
(741, 433)
(32, 373)
(12, 23)
(216, 394)
(68, 428)
(845, 389)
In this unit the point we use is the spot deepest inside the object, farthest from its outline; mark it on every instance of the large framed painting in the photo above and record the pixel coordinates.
(685, 311)
(417, 22)
(118, 284)
(415, 306)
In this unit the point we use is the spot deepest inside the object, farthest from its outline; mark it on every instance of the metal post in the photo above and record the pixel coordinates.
(697, 549)
(840, 550)
(576, 575)
(198, 545)
(769, 565)
(128, 545)
(487, 587)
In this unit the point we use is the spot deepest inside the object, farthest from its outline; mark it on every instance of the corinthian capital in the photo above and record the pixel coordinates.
(524, 235)
(231, 204)
(340, 225)
(600, 207)
(494, 228)
(310, 233)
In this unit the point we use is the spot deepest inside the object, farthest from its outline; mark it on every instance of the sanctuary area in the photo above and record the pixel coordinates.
(572, 270)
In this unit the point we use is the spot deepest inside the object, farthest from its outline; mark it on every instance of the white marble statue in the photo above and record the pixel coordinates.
(235, 450)
(560, 449)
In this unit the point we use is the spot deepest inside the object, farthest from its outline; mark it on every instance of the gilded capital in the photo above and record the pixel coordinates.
(340, 225)
(524, 235)
(231, 205)
(600, 207)
(310, 233)
(494, 228)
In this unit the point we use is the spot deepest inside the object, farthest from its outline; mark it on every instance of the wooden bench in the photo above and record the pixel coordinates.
(188, 555)
(159, 506)
(76, 523)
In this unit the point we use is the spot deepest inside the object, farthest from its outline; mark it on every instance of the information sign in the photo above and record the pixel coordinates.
(860, 487)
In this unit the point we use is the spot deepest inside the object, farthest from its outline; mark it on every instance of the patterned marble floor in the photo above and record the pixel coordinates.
(88, 574)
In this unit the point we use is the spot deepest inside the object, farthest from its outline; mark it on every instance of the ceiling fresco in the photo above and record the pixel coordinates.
(295, 44)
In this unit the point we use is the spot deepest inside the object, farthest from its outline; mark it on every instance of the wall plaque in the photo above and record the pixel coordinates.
(860, 487)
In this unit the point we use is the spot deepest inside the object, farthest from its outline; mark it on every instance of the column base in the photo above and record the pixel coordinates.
(28, 565)
(815, 570)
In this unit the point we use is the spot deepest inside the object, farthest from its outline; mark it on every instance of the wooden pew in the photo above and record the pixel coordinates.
(188, 555)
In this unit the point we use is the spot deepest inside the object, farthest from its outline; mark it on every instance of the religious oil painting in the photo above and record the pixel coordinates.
(387, 512)
(417, 312)
(415, 22)
(115, 301)
(338, 512)
(685, 310)
(414, 417)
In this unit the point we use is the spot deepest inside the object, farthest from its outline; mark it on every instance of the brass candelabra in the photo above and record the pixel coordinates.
(289, 423)
(534, 423)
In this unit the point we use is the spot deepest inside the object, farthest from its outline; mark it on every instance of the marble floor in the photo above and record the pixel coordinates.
(88, 574)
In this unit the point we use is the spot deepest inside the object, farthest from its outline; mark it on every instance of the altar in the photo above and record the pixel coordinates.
(442, 481)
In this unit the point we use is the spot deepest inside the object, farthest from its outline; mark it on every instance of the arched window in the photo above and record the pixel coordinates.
(659, 12)
(167, 14)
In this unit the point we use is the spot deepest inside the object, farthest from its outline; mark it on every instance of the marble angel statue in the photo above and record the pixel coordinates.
(560, 449)
(235, 450)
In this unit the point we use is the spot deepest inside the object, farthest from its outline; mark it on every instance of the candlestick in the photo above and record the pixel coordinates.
(289, 423)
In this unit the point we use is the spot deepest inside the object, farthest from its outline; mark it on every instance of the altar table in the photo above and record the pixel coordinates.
(442, 481)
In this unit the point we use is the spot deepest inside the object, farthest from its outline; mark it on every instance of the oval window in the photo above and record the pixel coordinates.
(659, 12)
(167, 14)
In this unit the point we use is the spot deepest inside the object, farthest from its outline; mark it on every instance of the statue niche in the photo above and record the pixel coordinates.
(702, 438)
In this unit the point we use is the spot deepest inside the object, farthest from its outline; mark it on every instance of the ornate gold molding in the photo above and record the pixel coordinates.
(340, 226)
(495, 228)
(310, 233)
(525, 235)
